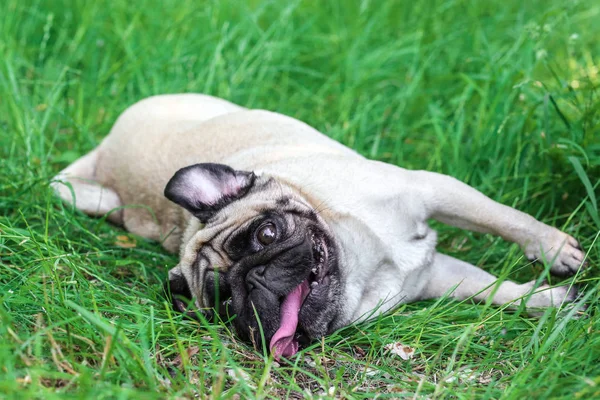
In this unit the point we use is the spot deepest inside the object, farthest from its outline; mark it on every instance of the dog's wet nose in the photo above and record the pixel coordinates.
(256, 278)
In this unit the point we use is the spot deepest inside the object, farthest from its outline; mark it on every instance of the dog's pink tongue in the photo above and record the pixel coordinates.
(283, 342)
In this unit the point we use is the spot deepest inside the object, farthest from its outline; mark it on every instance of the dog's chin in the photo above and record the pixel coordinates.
(317, 312)
(317, 299)
(321, 281)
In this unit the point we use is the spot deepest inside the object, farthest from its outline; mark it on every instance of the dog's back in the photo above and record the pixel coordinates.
(155, 137)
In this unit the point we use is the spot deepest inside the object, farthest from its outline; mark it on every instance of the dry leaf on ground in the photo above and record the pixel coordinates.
(397, 348)
(125, 242)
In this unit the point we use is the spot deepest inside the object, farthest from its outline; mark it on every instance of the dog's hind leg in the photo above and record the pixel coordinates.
(462, 280)
(76, 185)
(455, 203)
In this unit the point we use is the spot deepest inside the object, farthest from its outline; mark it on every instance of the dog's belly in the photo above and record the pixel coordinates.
(385, 259)
(397, 279)
(392, 285)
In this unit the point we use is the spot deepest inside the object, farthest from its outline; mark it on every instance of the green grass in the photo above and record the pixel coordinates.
(500, 94)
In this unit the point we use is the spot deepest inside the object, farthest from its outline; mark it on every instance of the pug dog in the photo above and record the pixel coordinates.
(286, 228)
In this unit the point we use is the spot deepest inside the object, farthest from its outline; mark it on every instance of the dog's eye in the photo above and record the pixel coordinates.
(266, 234)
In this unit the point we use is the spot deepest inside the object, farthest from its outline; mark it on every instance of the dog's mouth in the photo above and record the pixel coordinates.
(286, 340)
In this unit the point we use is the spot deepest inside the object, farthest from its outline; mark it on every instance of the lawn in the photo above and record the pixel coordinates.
(500, 94)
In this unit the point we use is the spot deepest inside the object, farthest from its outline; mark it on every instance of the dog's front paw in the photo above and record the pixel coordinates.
(560, 249)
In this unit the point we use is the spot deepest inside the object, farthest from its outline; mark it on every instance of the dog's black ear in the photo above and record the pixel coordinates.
(203, 189)
(178, 292)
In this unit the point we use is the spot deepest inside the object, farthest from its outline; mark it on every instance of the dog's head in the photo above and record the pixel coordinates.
(263, 254)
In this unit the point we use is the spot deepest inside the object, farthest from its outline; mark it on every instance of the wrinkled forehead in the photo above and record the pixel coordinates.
(203, 246)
